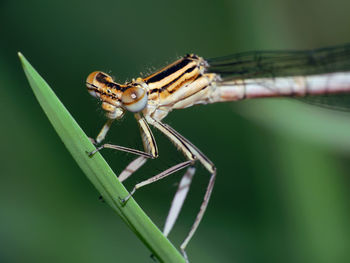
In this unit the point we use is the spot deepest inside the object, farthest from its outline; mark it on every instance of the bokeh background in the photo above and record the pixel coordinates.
(283, 190)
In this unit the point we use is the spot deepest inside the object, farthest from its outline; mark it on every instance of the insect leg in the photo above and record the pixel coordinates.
(179, 199)
(193, 153)
(149, 144)
(158, 177)
(102, 134)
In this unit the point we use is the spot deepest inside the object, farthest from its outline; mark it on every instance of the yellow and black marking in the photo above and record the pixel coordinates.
(104, 84)
(171, 78)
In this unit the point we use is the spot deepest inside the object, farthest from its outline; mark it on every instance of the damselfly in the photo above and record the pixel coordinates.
(193, 80)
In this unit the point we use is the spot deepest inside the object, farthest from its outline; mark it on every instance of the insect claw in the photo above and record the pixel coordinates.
(90, 154)
(123, 201)
(95, 151)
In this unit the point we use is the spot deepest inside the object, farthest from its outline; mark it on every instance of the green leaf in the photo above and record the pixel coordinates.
(97, 170)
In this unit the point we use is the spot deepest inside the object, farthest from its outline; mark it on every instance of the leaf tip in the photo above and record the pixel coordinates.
(21, 58)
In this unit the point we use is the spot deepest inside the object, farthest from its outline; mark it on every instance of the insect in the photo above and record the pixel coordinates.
(193, 80)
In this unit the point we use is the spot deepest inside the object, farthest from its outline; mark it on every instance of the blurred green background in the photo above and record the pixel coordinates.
(282, 193)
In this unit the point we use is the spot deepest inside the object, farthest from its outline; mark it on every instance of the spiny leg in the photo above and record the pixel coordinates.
(192, 152)
(149, 144)
(102, 134)
(158, 177)
(199, 215)
(131, 168)
(121, 148)
(179, 199)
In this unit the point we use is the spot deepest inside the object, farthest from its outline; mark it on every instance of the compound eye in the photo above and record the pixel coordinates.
(134, 99)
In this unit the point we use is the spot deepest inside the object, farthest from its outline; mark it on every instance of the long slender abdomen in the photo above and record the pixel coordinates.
(299, 86)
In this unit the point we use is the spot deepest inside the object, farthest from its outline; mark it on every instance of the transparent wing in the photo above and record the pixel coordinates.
(339, 102)
(270, 64)
(258, 64)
